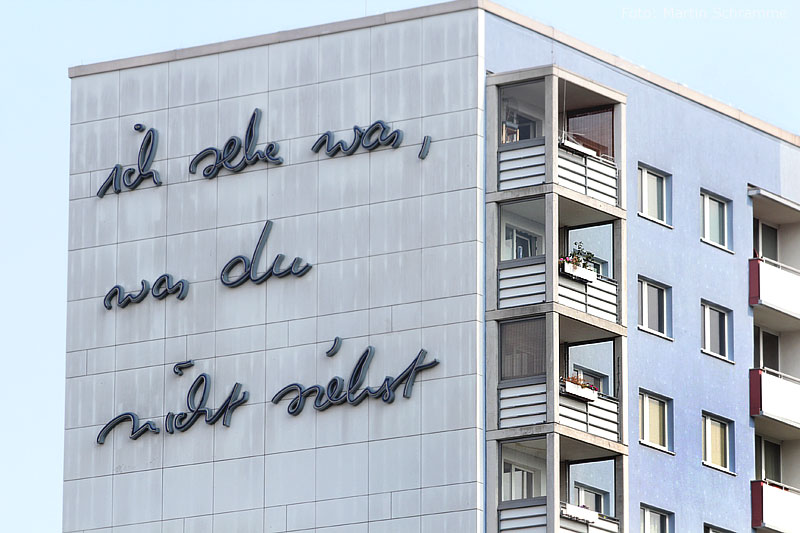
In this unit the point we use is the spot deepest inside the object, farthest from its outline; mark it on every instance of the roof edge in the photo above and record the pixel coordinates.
(441, 9)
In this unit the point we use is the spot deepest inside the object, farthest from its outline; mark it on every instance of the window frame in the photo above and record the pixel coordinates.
(644, 171)
(706, 198)
(760, 348)
(758, 238)
(644, 421)
(598, 494)
(645, 515)
(705, 338)
(643, 283)
(708, 418)
(760, 440)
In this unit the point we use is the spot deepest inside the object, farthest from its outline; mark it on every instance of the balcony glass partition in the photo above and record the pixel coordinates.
(594, 364)
(522, 230)
(521, 112)
(524, 470)
(598, 241)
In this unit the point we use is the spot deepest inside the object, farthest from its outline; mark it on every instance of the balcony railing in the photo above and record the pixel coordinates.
(587, 174)
(521, 282)
(522, 405)
(774, 506)
(775, 286)
(578, 520)
(599, 417)
(774, 395)
(598, 298)
(528, 519)
(520, 164)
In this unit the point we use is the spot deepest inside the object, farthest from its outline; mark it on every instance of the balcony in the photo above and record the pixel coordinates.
(581, 170)
(598, 416)
(531, 518)
(521, 164)
(576, 519)
(774, 506)
(522, 405)
(773, 290)
(773, 403)
(521, 282)
(597, 298)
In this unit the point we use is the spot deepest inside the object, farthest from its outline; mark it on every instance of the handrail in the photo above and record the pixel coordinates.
(778, 265)
(778, 485)
(780, 375)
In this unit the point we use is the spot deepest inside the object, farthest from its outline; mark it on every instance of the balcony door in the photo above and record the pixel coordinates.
(765, 240)
(768, 459)
(766, 349)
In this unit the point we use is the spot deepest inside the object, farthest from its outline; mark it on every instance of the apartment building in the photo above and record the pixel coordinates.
(578, 277)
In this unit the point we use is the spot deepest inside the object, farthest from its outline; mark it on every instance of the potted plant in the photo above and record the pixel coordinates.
(583, 514)
(578, 264)
(579, 388)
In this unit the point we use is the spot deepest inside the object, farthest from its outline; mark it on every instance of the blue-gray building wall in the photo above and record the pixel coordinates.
(700, 149)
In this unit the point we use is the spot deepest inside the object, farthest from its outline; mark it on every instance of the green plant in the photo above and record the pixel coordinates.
(578, 257)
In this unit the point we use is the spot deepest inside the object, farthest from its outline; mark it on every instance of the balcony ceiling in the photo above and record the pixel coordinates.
(775, 429)
(576, 450)
(770, 207)
(774, 319)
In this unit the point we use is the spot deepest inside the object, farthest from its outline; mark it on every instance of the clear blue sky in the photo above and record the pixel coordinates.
(743, 59)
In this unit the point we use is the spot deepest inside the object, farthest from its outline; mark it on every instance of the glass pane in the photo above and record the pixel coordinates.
(522, 229)
(716, 328)
(524, 470)
(592, 129)
(662, 523)
(641, 416)
(657, 421)
(522, 348)
(655, 308)
(769, 242)
(756, 347)
(719, 444)
(655, 196)
(641, 304)
(716, 221)
(599, 240)
(772, 461)
(642, 520)
(759, 473)
(770, 347)
(596, 361)
(756, 240)
(521, 111)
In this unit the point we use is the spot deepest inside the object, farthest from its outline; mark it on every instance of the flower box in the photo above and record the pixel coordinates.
(579, 513)
(579, 391)
(586, 274)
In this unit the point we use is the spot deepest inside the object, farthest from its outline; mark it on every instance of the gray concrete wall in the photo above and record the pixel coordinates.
(396, 245)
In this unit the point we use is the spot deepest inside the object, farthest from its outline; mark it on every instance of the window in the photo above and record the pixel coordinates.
(652, 306)
(712, 529)
(715, 330)
(765, 240)
(716, 442)
(521, 111)
(522, 229)
(653, 521)
(599, 381)
(589, 498)
(768, 459)
(715, 220)
(653, 420)
(524, 473)
(766, 349)
(522, 348)
(653, 195)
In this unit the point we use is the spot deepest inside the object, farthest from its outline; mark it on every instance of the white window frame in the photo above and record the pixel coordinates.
(707, 452)
(761, 475)
(516, 466)
(706, 198)
(643, 190)
(643, 318)
(644, 423)
(761, 331)
(706, 309)
(760, 250)
(583, 490)
(601, 378)
(712, 529)
(646, 516)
